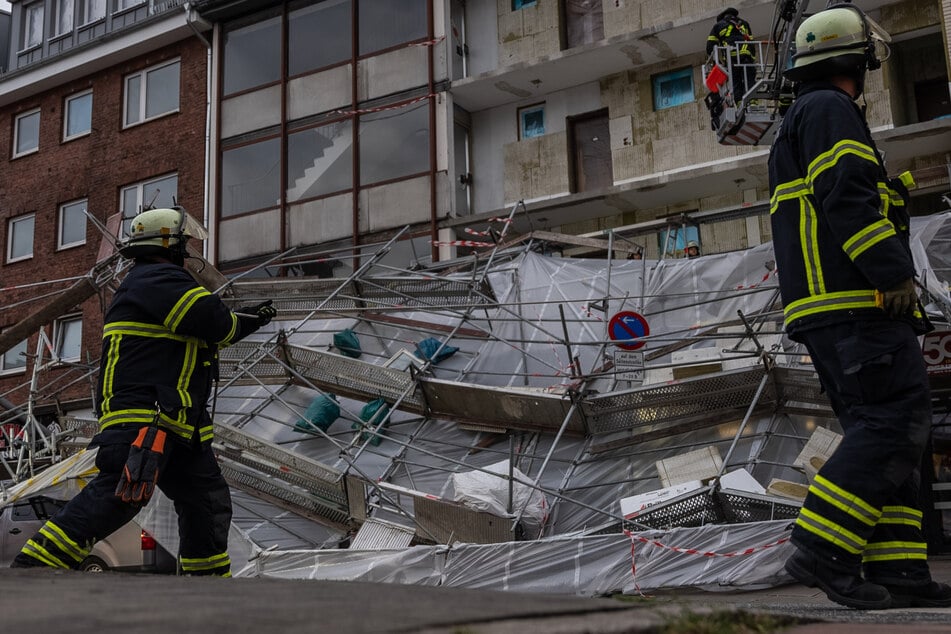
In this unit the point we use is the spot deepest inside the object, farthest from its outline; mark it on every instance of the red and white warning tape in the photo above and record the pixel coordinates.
(769, 274)
(690, 551)
(429, 42)
(385, 108)
(461, 243)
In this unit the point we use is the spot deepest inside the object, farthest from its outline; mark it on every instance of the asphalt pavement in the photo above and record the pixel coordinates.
(82, 603)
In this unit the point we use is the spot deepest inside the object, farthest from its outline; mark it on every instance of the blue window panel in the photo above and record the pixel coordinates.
(672, 242)
(531, 122)
(673, 88)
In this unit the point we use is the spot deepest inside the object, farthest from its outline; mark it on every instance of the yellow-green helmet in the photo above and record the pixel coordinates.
(160, 232)
(840, 40)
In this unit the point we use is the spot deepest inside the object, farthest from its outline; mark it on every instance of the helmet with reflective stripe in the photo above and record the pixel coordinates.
(841, 40)
(161, 232)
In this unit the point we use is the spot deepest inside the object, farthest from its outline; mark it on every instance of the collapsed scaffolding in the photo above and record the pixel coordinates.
(547, 389)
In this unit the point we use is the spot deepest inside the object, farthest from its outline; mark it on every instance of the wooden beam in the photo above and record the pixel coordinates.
(56, 306)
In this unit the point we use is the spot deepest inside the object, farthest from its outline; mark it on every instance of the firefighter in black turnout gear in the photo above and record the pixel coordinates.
(159, 358)
(846, 274)
(730, 30)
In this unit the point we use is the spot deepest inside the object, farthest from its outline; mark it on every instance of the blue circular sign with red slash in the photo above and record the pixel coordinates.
(626, 327)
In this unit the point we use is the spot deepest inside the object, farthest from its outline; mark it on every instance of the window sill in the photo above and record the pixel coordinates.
(127, 126)
(22, 154)
(71, 245)
(80, 135)
(22, 258)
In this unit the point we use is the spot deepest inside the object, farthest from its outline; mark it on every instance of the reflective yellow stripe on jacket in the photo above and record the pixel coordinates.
(115, 332)
(801, 191)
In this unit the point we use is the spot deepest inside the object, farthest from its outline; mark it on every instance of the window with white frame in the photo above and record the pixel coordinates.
(77, 115)
(72, 225)
(92, 10)
(14, 359)
(20, 238)
(32, 25)
(152, 92)
(26, 133)
(122, 5)
(154, 193)
(68, 338)
(62, 16)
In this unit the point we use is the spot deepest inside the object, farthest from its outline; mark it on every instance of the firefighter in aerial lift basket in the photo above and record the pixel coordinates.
(735, 35)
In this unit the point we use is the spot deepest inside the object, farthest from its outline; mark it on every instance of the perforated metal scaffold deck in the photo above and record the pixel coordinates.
(301, 297)
(287, 479)
(675, 407)
(654, 411)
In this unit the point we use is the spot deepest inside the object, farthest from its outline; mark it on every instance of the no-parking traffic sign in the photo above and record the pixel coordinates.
(626, 327)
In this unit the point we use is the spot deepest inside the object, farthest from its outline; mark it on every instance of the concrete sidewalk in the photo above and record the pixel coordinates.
(65, 601)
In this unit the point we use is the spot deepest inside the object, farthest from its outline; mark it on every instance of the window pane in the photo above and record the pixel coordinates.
(72, 224)
(673, 242)
(319, 161)
(33, 25)
(21, 237)
(673, 88)
(78, 115)
(252, 56)
(384, 23)
(95, 10)
(396, 144)
(70, 338)
(133, 90)
(531, 122)
(64, 16)
(161, 90)
(28, 133)
(14, 357)
(160, 192)
(318, 36)
(251, 177)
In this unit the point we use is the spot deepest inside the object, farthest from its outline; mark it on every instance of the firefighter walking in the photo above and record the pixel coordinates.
(846, 275)
(159, 359)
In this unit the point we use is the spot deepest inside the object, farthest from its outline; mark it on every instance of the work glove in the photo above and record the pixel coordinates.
(262, 313)
(141, 470)
(900, 299)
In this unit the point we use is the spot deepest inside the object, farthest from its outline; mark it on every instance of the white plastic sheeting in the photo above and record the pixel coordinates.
(487, 492)
(731, 557)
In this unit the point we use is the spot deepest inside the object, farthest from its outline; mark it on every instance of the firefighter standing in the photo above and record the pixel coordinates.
(159, 359)
(840, 233)
(732, 31)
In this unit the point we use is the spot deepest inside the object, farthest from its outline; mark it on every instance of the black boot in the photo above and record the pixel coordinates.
(841, 584)
(925, 595)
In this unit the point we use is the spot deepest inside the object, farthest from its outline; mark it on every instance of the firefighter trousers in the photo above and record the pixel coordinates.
(190, 477)
(862, 507)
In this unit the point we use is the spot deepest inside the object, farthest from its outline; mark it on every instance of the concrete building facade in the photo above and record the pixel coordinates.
(305, 126)
(614, 150)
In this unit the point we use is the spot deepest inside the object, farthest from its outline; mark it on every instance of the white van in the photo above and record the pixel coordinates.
(130, 548)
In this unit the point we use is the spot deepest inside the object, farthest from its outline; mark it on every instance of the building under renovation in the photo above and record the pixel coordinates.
(469, 382)
(513, 420)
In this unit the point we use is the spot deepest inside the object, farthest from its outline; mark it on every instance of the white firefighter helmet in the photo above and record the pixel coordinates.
(167, 228)
(840, 40)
